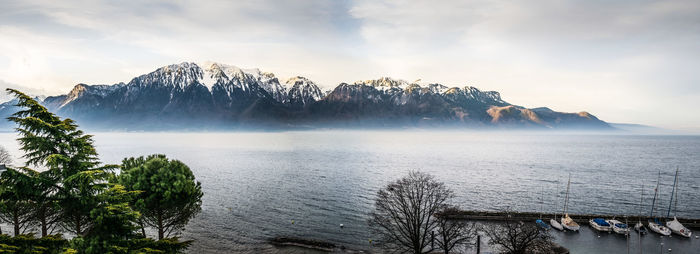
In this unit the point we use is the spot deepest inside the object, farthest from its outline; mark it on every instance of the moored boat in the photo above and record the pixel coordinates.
(656, 226)
(555, 224)
(674, 225)
(569, 223)
(599, 224)
(640, 228)
(539, 221)
(566, 221)
(619, 227)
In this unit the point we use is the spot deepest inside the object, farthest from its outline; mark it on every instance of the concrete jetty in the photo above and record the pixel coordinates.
(579, 218)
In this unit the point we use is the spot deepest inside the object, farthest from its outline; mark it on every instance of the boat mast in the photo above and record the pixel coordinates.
(556, 201)
(542, 203)
(675, 208)
(639, 235)
(656, 191)
(673, 192)
(566, 200)
(640, 204)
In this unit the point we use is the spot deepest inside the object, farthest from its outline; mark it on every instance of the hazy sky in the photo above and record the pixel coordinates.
(624, 61)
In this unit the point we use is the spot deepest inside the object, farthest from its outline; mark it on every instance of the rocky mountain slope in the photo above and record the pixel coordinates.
(218, 96)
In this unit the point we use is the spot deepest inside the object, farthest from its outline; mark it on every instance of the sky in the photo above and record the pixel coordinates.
(623, 61)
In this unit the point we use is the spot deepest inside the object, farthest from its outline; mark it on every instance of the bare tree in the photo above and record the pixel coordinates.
(5, 157)
(451, 232)
(403, 216)
(517, 237)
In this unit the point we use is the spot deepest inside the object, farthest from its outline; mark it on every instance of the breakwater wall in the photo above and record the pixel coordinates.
(579, 218)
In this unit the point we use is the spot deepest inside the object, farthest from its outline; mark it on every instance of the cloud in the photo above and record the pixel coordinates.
(104, 41)
(4, 97)
(624, 61)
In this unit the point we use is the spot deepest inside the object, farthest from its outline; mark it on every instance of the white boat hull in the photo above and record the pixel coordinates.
(659, 229)
(555, 224)
(598, 227)
(622, 231)
(676, 227)
(619, 227)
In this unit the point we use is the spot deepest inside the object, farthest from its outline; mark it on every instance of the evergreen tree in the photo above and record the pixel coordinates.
(65, 151)
(113, 222)
(16, 206)
(86, 198)
(169, 196)
(47, 212)
(5, 157)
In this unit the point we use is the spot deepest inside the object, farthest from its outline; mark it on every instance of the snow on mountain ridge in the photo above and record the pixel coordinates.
(175, 75)
(302, 91)
(82, 89)
(223, 73)
(384, 83)
(272, 85)
(212, 73)
(392, 86)
(296, 89)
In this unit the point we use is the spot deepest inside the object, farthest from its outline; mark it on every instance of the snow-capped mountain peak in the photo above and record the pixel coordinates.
(196, 93)
(223, 73)
(81, 90)
(384, 83)
(302, 91)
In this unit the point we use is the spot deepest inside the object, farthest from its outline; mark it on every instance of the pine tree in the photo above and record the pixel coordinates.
(169, 196)
(16, 206)
(65, 151)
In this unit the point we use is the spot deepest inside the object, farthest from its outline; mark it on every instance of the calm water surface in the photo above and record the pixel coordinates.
(256, 184)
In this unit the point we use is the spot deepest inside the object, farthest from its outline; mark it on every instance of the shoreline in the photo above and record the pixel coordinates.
(309, 244)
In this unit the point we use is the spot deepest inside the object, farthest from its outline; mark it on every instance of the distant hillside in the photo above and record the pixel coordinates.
(641, 129)
(219, 96)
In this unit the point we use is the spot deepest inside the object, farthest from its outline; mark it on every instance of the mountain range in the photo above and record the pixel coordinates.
(219, 96)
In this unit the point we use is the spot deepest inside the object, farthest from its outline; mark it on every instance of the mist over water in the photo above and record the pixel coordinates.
(304, 184)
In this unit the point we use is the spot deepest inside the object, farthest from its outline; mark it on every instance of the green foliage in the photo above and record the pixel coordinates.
(80, 197)
(165, 245)
(47, 211)
(169, 194)
(47, 140)
(70, 251)
(87, 199)
(4, 248)
(67, 152)
(113, 222)
(132, 246)
(5, 157)
(51, 244)
(15, 193)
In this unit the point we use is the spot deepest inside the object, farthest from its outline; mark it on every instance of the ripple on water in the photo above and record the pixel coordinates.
(256, 184)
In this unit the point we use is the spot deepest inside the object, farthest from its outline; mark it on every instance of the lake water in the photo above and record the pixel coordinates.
(257, 184)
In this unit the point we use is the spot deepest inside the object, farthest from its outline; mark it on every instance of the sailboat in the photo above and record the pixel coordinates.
(566, 221)
(674, 225)
(654, 224)
(553, 222)
(639, 227)
(539, 221)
